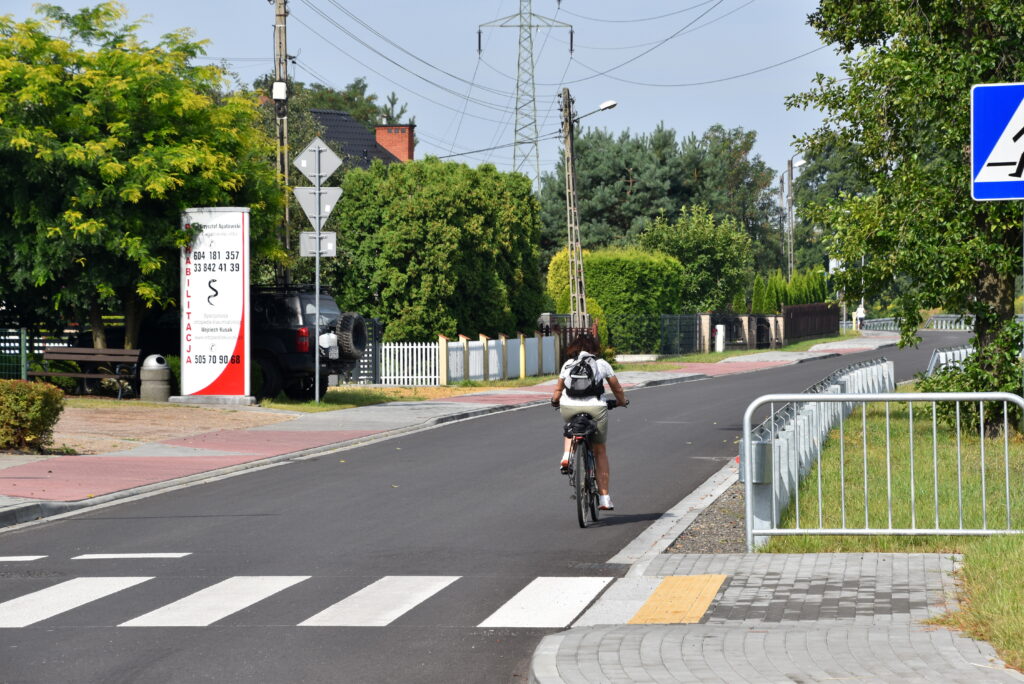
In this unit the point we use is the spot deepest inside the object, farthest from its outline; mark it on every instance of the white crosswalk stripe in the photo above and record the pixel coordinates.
(381, 603)
(19, 559)
(215, 602)
(548, 602)
(123, 556)
(45, 603)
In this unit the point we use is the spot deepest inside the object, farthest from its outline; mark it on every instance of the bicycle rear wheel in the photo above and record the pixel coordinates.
(592, 493)
(579, 481)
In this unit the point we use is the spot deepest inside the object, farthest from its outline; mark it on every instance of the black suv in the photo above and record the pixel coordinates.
(284, 336)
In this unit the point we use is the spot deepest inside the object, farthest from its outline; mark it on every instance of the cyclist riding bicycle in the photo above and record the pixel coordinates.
(582, 379)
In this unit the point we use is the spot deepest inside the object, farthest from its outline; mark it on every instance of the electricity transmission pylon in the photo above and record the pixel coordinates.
(526, 144)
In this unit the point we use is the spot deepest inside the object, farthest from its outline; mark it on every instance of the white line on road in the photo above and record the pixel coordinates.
(109, 556)
(548, 602)
(19, 559)
(45, 603)
(381, 603)
(215, 602)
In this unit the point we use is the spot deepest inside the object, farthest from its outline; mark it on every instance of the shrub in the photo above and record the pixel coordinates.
(632, 287)
(996, 368)
(28, 412)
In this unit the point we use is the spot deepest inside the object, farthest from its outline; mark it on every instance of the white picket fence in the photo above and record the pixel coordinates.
(418, 363)
(408, 363)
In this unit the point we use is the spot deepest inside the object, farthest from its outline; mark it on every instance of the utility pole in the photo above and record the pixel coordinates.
(526, 135)
(784, 213)
(577, 287)
(791, 220)
(280, 95)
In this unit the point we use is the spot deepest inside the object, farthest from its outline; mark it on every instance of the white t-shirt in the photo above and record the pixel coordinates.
(603, 371)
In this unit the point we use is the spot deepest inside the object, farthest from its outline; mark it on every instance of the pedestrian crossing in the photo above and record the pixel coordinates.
(544, 602)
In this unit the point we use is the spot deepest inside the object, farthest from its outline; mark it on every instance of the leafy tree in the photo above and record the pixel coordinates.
(902, 112)
(435, 248)
(103, 141)
(717, 256)
(302, 128)
(625, 183)
(827, 175)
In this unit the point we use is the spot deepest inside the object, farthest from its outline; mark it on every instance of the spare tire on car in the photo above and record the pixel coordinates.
(351, 331)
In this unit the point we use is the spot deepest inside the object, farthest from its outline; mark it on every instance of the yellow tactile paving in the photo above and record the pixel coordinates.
(680, 599)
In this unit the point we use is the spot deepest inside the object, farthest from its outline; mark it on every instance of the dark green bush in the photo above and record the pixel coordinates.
(28, 412)
(174, 364)
(996, 368)
(632, 287)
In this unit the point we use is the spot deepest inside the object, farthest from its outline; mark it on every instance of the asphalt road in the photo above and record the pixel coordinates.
(465, 516)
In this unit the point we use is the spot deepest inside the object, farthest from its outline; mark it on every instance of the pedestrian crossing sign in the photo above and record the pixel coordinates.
(997, 141)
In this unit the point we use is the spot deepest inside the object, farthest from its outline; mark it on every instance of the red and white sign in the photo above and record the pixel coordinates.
(215, 302)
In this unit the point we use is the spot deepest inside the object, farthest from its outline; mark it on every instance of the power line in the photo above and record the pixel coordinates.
(549, 136)
(326, 17)
(633, 21)
(645, 52)
(391, 81)
(655, 42)
(709, 82)
(402, 49)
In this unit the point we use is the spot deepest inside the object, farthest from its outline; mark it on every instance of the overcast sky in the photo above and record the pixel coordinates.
(652, 56)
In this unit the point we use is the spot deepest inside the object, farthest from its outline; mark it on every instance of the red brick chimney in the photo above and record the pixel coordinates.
(397, 139)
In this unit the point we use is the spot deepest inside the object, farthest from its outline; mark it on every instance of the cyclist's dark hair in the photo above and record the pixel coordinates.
(583, 342)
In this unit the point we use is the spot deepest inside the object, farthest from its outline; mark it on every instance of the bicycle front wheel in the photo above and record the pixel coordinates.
(579, 476)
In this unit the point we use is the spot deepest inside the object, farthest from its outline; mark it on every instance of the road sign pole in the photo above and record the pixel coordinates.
(319, 191)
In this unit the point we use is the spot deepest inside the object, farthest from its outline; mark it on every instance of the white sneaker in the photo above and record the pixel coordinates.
(604, 502)
(564, 465)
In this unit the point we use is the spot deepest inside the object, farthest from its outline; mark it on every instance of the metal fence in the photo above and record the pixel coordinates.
(810, 320)
(17, 346)
(872, 464)
(680, 333)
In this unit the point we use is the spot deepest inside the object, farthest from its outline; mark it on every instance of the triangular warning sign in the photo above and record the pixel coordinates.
(1006, 160)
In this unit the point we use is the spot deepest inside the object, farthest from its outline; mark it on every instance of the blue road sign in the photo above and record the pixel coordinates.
(997, 141)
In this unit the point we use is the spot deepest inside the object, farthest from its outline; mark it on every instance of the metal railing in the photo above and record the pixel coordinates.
(947, 356)
(879, 324)
(927, 479)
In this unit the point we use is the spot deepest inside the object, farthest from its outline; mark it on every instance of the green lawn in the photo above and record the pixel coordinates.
(345, 397)
(994, 605)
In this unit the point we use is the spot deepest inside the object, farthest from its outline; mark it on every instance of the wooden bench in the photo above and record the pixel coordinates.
(121, 365)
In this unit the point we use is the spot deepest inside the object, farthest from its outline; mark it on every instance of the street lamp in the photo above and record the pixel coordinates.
(790, 213)
(577, 286)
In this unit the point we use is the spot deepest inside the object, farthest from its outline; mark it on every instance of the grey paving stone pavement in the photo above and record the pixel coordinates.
(780, 618)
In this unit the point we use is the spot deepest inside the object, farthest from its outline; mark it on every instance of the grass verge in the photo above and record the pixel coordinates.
(992, 604)
(345, 397)
(672, 362)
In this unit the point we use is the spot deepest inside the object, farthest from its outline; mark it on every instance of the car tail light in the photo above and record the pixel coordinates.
(302, 340)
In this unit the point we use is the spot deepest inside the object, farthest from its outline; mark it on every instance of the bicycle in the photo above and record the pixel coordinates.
(580, 430)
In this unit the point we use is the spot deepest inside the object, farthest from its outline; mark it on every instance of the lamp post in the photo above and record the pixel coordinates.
(791, 214)
(577, 287)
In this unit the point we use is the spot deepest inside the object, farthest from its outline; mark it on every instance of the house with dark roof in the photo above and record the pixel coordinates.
(358, 146)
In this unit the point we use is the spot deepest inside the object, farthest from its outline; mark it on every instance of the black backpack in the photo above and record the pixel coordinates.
(582, 381)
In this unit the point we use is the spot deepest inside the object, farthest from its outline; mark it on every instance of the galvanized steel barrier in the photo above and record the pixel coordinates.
(947, 356)
(975, 488)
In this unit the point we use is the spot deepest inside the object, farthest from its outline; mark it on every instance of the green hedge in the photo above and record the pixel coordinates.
(633, 288)
(28, 412)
